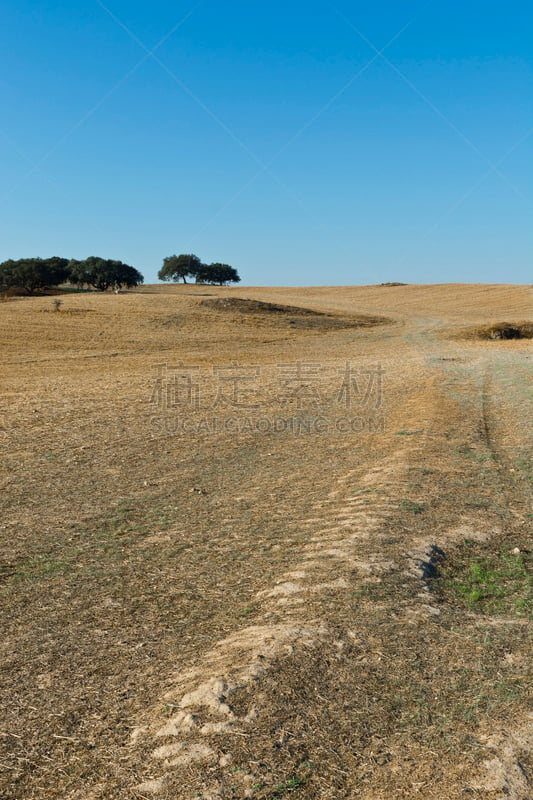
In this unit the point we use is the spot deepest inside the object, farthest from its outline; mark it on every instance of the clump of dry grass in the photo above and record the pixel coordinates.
(499, 330)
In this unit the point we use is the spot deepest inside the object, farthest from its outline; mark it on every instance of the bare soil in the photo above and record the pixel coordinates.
(292, 315)
(244, 558)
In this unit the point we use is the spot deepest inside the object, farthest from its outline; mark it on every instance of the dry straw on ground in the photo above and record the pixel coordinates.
(223, 611)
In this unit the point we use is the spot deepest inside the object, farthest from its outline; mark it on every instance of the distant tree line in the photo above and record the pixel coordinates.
(31, 274)
(176, 268)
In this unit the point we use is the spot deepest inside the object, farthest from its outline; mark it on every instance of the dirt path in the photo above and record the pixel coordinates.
(361, 543)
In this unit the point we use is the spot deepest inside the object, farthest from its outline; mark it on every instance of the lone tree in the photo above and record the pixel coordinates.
(31, 274)
(220, 274)
(176, 268)
(104, 273)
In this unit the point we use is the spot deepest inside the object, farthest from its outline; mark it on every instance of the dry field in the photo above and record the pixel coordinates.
(252, 552)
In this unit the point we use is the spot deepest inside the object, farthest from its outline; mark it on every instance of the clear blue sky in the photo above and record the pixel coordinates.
(272, 136)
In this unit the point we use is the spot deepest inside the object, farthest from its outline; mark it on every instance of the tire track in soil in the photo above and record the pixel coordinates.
(501, 770)
(201, 696)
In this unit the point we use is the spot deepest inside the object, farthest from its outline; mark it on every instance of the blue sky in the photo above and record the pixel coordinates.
(279, 138)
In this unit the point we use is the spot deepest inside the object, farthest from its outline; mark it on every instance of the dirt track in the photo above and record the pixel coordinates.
(219, 601)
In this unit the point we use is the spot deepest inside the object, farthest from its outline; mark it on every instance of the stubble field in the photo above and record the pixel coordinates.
(252, 551)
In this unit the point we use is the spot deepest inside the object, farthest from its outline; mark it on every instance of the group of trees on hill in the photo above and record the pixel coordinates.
(176, 268)
(30, 274)
(104, 273)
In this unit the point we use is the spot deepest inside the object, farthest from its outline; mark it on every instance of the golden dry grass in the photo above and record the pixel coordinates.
(200, 608)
